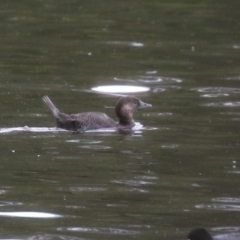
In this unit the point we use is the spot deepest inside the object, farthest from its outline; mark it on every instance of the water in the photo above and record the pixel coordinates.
(178, 170)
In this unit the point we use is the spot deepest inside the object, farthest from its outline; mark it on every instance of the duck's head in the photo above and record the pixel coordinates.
(199, 234)
(125, 108)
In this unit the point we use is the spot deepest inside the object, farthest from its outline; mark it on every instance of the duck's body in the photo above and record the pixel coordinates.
(125, 108)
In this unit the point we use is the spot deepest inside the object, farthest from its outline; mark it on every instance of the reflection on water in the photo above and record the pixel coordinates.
(237, 78)
(229, 233)
(157, 114)
(212, 92)
(31, 129)
(86, 189)
(95, 147)
(222, 204)
(226, 200)
(155, 79)
(107, 231)
(151, 79)
(132, 182)
(218, 90)
(29, 214)
(223, 104)
(4, 203)
(219, 207)
(170, 146)
(53, 237)
(120, 89)
(137, 129)
(131, 44)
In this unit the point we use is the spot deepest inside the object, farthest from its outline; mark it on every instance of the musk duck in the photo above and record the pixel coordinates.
(125, 108)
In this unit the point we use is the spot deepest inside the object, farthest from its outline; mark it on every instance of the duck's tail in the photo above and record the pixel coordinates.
(51, 106)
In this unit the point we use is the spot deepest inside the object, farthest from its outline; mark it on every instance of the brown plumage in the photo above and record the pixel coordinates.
(125, 108)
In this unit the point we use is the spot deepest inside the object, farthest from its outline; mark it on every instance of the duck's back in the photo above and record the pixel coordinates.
(85, 121)
(80, 121)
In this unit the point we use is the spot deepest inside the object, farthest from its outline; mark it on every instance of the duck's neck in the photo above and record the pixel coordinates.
(126, 122)
(125, 116)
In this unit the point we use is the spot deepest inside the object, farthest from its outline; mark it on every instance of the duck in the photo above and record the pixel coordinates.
(125, 108)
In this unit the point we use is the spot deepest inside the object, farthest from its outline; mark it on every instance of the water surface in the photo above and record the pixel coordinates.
(178, 171)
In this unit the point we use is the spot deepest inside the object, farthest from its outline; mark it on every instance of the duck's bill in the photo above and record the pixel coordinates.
(144, 105)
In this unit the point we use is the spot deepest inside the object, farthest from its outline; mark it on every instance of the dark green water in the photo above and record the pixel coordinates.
(178, 172)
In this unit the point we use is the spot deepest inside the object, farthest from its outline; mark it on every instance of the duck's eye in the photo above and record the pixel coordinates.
(134, 105)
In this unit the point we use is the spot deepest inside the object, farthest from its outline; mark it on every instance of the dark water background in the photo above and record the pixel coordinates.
(179, 172)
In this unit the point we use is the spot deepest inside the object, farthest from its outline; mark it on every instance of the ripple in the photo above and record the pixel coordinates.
(102, 130)
(131, 44)
(73, 141)
(154, 128)
(75, 207)
(170, 146)
(32, 115)
(221, 207)
(116, 205)
(12, 239)
(87, 189)
(195, 185)
(226, 229)
(216, 91)
(137, 190)
(234, 78)
(84, 141)
(136, 44)
(29, 214)
(210, 89)
(158, 114)
(5, 203)
(222, 104)
(158, 79)
(231, 232)
(151, 72)
(151, 79)
(95, 147)
(133, 182)
(236, 46)
(228, 236)
(120, 89)
(159, 89)
(236, 172)
(31, 129)
(112, 231)
(215, 95)
(138, 126)
(226, 200)
(53, 237)
(230, 113)
(147, 177)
